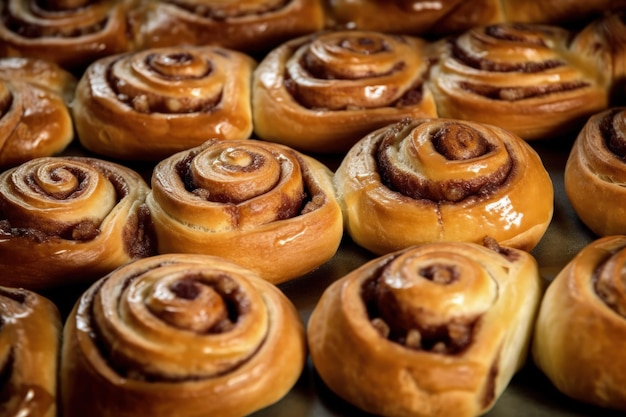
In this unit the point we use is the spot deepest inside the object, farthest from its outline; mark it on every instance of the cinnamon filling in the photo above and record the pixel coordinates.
(612, 128)
(609, 282)
(520, 93)
(224, 12)
(31, 30)
(516, 33)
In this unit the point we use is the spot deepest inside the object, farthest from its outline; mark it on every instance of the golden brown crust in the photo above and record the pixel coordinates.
(30, 340)
(163, 101)
(249, 26)
(443, 180)
(65, 220)
(435, 330)
(582, 316)
(69, 33)
(557, 11)
(34, 123)
(520, 77)
(259, 204)
(411, 17)
(183, 335)
(324, 92)
(595, 173)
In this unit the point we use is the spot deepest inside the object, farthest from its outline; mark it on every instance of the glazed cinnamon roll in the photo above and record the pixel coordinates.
(428, 180)
(67, 220)
(35, 120)
(249, 26)
(324, 92)
(182, 335)
(413, 17)
(520, 77)
(435, 330)
(30, 340)
(71, 33)
(595, 173)
(603, 43)
(163, 101)
(581, 318)
(262, 205)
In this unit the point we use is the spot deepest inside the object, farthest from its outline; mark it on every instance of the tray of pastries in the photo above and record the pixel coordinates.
(312, 207)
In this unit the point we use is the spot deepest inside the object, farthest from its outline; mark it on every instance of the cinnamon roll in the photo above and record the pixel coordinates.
(603, 42)
(262, 205)
(35, 120)
(251, 26)
(30, 340)
(71, 33)
(67, 220)
(163, 101)
(428, 180)
(561, 12)
(324, 92)
(581, 320)
(413, 17)
(435, 330)
(523, 78)
(596, 171)
(183, 335)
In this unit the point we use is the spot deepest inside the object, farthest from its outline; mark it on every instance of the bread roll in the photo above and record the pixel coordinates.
(603, 42)
(523, 78)
(414, 17)
(30, 341)
(435, 330)
(262, 205)
(66, 220)
(595, 173)
(250, 26)
(429, 180)
(183, 335)
(581, 323)
(163, 101)
(71, 33)
(324, 92)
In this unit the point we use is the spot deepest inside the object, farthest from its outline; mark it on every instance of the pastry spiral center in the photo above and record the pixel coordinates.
(610, 282)
(179, 65)
(459, 142)
(612, 128)
(232, 174)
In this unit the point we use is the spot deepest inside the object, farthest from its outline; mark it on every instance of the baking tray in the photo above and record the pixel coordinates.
(529, 394)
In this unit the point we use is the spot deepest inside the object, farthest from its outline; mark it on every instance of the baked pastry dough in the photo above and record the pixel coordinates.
(250, 25)
(67, 220)
(603, 42)
(30, 341)
(324, 92)
(183, 335)
(34, 117)
(557, 11)
(163, 101)
(435, 330)
(595, 173)
(428, 180)
(413, 17)
(523, 78)
(69, 33)
(581, 321)
(262, 205)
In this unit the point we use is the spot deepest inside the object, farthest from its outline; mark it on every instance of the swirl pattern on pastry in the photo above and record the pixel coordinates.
(324, 92)
(180, 335)
(595, 173)
(34, 117)
(260, 204)
(520, 77)
(176, 97)
(433, 330)
(30, 339)
(249, 26)
(603, 42)
(428, 180)
(70, 219)
(582, 314)
(71, 33)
